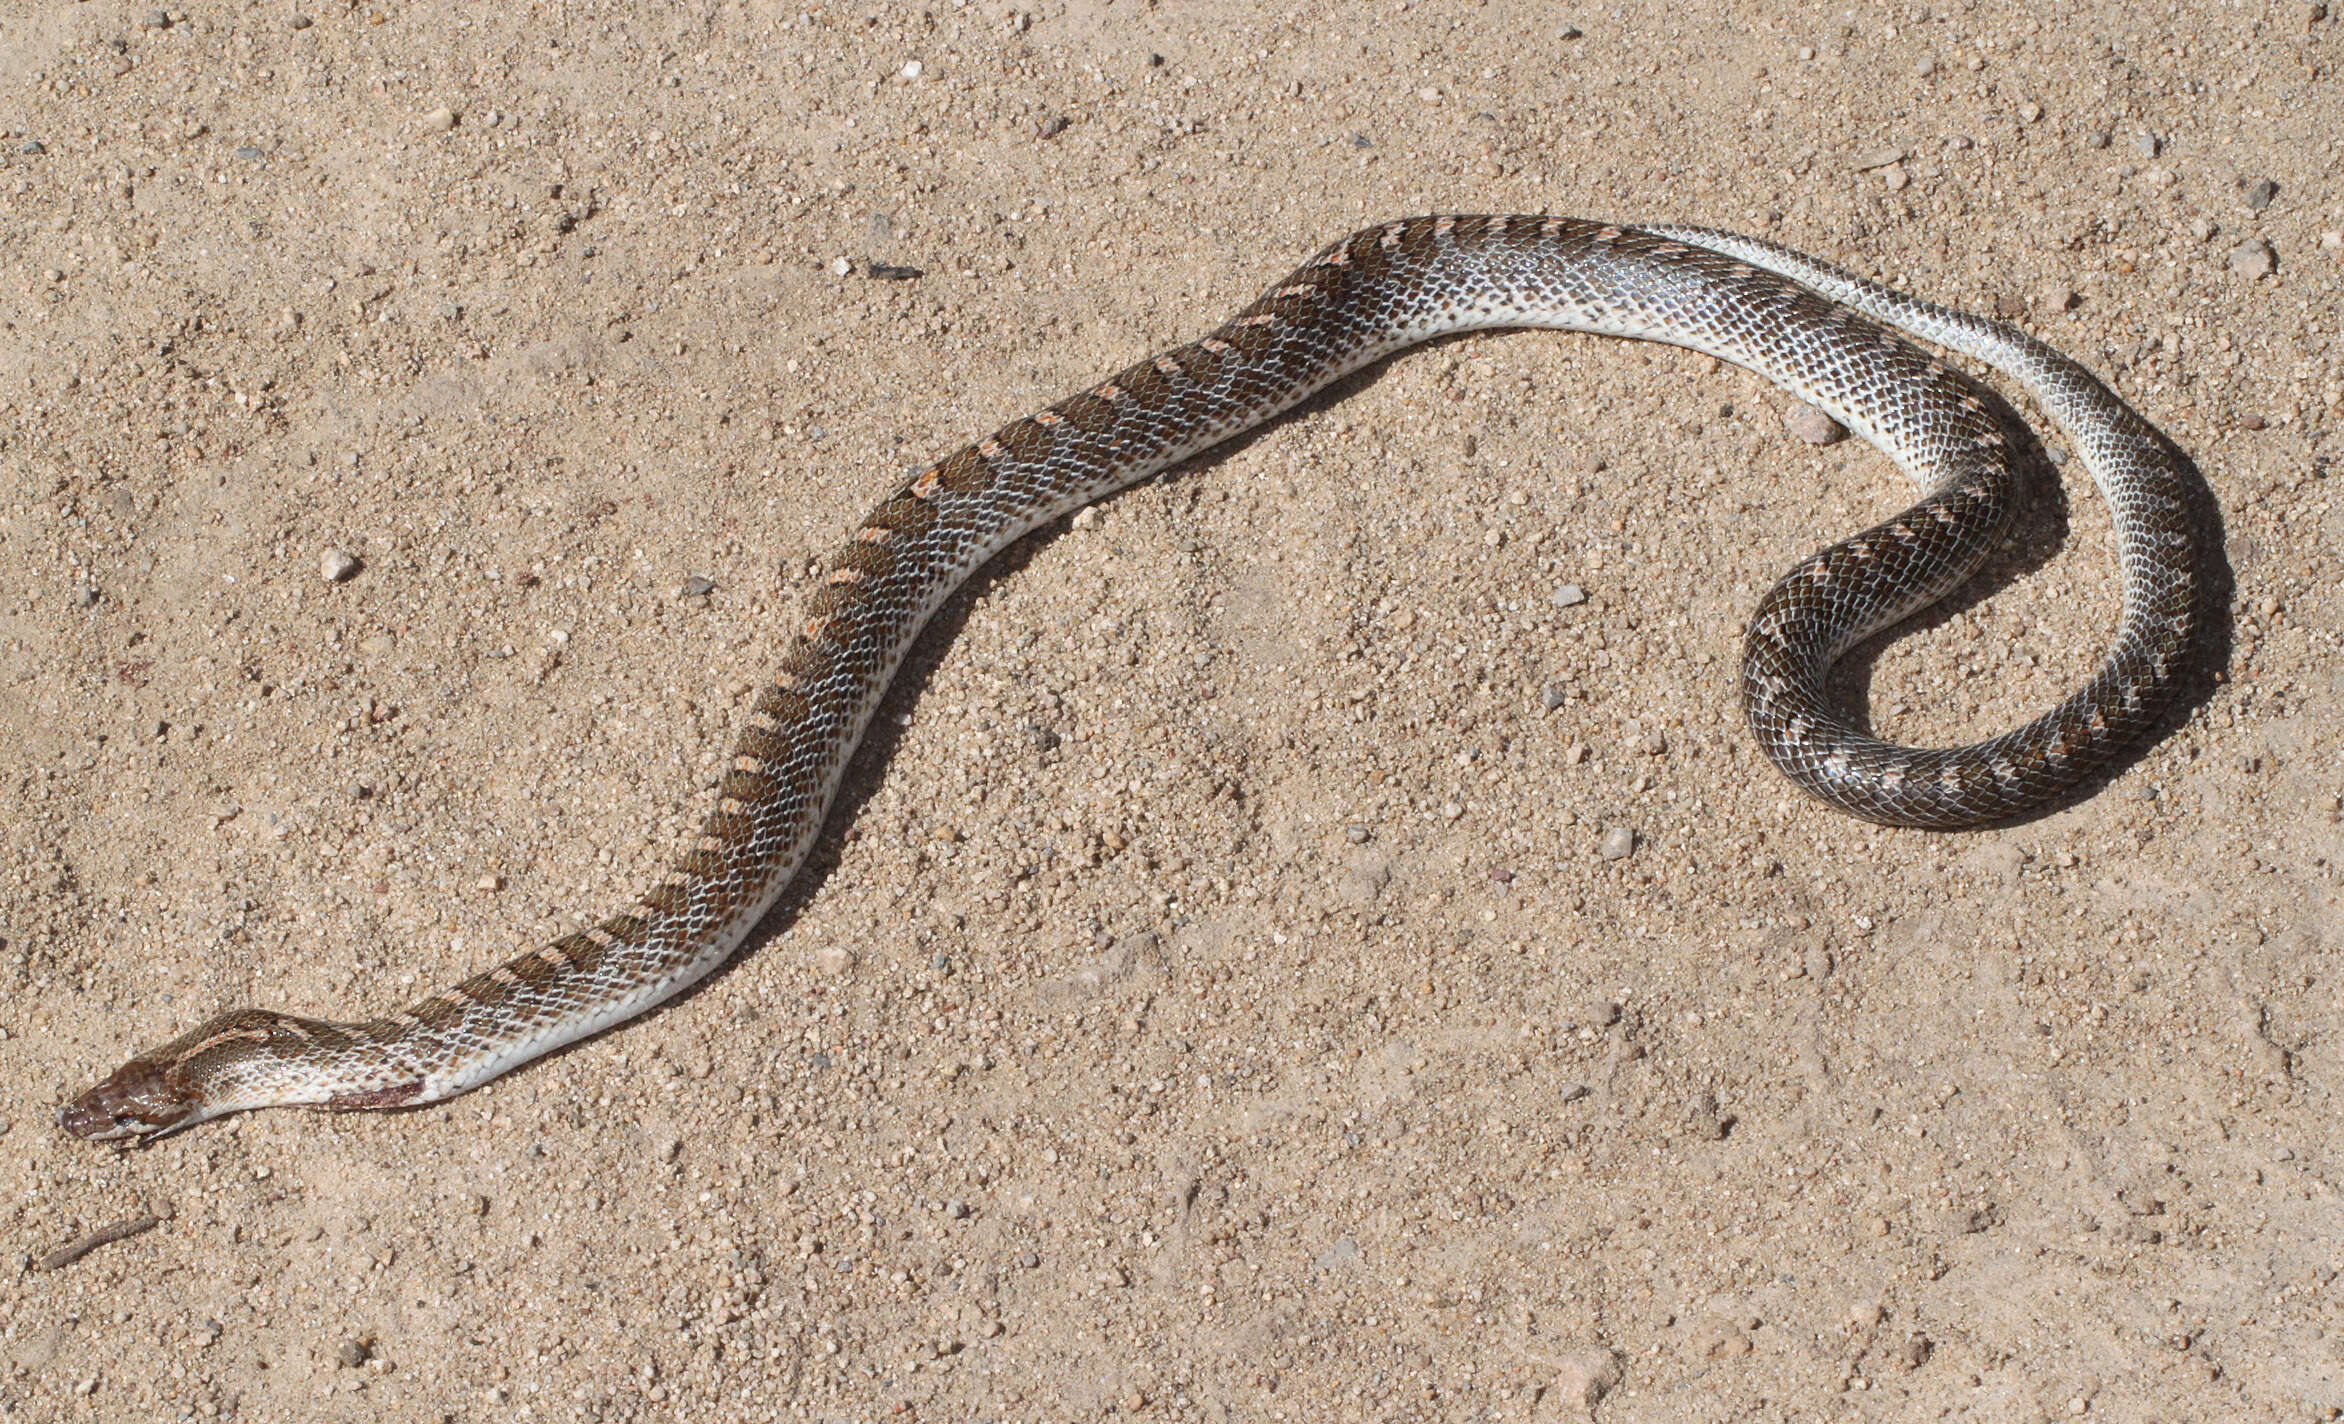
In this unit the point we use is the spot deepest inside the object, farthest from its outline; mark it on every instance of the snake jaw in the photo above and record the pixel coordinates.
(140, 1100)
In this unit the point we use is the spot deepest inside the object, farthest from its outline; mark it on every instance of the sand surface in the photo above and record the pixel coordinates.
(1213, 1002)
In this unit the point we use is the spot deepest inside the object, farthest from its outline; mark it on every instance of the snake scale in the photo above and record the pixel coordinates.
(1805, 325)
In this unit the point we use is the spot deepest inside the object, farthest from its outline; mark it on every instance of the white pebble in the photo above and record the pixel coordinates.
(338, 565)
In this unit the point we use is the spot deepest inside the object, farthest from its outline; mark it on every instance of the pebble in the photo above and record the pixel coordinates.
(1924, 66)
(1054, 125)
(699, 586)
(1651, 741)
(1568, 595)
(301, 22)
(86, 596)
(1357, 835)
(1618, 843)
(2253, 258)
(155, 20)
(351, 1353)
(250, 154)
(1812, 425)
(33, 146)
(1878, 158)
(1584, 1376)
(911, 69)
(2098, 139)
(2257, 193)
(440, 120)
(1602, 1013)
(841, 267)
(338, 565)
(1573, 1092)
(889, 272)
(1894, 177)
(834, 960)
(2059, 297)
(2146, 145)
(958, 1211)
(1707, 1122)
(1553, 695)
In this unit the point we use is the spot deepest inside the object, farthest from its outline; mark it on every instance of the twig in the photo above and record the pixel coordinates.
(73, 1251)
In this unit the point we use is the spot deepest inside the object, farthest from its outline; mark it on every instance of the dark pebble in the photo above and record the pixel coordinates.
(886, 273)
(699, 586)
(1055, 125)
(2258, 192)
(34, 147)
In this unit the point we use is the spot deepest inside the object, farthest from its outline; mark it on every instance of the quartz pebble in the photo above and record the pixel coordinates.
(1568, 595)
(1812, 425)
(440, 120)
(2253, 258)
(1618, 843)
(338, 565)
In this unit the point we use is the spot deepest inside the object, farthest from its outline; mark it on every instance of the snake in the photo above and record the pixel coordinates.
(1833, 339)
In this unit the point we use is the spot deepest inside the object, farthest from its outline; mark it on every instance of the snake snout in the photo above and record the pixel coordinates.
(138, 1100)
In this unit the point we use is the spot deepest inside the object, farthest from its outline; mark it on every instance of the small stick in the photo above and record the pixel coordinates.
(73, 1251)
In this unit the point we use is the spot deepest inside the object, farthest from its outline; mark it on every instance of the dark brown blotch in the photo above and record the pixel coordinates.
(669, 899)
(904, 514)
(965, 473)
(629, 930)
(1085, 412)
(1145, 383)
(868, 560)
(764, 743)
(580, 949)
(782, 705)
(1024, 440)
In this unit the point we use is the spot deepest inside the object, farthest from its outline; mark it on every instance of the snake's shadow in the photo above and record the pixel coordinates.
(2042, 530)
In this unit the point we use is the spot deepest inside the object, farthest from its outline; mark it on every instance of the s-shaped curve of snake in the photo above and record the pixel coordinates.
(1799, 322)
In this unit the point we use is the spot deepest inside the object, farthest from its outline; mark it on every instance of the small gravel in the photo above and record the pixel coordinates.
(2257, 193)
(1568, 595)
(440, 120)
(338, 565)
(698, 586)
(2146, 144)
(1618, 843)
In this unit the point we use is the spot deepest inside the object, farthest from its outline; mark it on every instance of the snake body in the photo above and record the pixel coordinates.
(1790, 318)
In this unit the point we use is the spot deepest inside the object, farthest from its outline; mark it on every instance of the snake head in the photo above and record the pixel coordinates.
(139, 1100)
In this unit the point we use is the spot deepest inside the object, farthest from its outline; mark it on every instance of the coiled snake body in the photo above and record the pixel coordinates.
(1788, 317)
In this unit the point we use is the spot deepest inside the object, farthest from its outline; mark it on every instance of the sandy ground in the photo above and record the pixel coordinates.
(1215, 1005)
